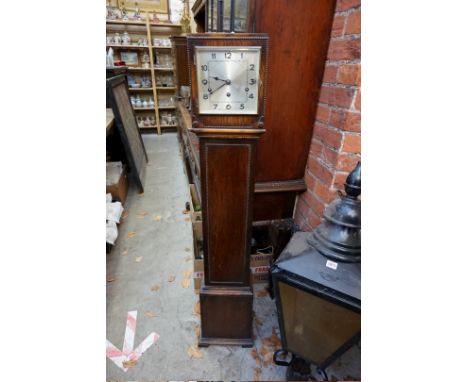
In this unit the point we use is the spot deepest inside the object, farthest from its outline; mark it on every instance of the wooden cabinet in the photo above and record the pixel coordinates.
(199, 15)
(299, 33)
(179, 49)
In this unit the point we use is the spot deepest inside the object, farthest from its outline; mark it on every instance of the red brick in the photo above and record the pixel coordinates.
(357, 101)
(337, 118)
(320, 171)
(352, 143)
(323, 192)
(327, 135)
(323, 113)
(330, 156)
(340, 179)
(347, 162)
(313, 221)
(302, 208)
(344, 5)
(309, 181)
(352, 122)
(301, 214)
(316, 148)
(345, 49)
(314, 203)
(304, 226)
(329, 75)
(353, 23)
(336, 96)
(308, 198)
(349, 74)
(338, 26)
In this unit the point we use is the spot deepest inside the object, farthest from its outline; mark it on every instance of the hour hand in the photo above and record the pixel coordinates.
(220, 79)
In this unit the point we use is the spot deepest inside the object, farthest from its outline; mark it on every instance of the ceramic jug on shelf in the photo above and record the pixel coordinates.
(126, 40)
(138, 101)
(146, 60)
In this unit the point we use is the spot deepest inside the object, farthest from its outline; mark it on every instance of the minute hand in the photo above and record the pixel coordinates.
(219, 87)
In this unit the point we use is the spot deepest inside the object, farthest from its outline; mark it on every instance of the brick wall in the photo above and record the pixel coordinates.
(336, 141)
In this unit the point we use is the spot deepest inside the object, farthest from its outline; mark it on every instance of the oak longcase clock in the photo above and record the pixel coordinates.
(228, 80)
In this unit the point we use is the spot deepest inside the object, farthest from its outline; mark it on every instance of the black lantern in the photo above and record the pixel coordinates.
(317, 284)
(226, 16)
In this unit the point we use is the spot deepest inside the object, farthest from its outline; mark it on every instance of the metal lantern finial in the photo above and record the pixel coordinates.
(338, 237)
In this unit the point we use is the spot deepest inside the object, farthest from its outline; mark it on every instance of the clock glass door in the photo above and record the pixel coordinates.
(227, 79)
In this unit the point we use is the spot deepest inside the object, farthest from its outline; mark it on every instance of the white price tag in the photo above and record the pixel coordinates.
(331, 264)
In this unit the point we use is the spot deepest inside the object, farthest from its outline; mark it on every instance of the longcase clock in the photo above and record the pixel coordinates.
(228, 80)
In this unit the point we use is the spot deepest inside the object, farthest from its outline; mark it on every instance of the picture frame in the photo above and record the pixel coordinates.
(159, 6)
(130, 58)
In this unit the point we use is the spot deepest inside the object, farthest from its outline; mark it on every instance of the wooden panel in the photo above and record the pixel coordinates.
(181, 61)
(226, 316)
(128, 129)
(299, 32)
(272, 206)
(227, 188)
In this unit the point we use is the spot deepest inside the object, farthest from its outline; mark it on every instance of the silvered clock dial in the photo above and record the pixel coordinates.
(228, 79)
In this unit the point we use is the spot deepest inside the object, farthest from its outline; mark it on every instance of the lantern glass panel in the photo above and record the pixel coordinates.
(314, 327)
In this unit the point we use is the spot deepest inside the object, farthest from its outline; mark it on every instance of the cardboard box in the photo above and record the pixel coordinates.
(198, 230)
(118, 189)
(261, 259)
(195, 203)
(259, 266)
(260, 274)
(197, 262)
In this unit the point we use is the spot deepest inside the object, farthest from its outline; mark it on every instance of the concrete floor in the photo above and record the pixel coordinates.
(162, 247)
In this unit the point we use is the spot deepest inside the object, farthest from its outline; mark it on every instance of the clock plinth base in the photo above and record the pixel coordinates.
(226, 316)
(205, 342)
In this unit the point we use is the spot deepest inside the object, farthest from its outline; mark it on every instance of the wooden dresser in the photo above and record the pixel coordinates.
(299, 33)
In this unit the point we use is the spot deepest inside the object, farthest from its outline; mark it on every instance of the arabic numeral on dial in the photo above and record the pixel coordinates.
(227, 55)
(251, 95)
(252, 81)
(205, 96)
(213, 55)
(242, 106)
(228, 107)
(204, 68)
(204, 82)
(252, 66)
(215, 105)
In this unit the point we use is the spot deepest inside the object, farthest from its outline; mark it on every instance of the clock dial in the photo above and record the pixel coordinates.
(228, 79)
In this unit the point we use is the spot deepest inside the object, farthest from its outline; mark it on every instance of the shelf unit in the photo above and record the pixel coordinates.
(149, 30)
